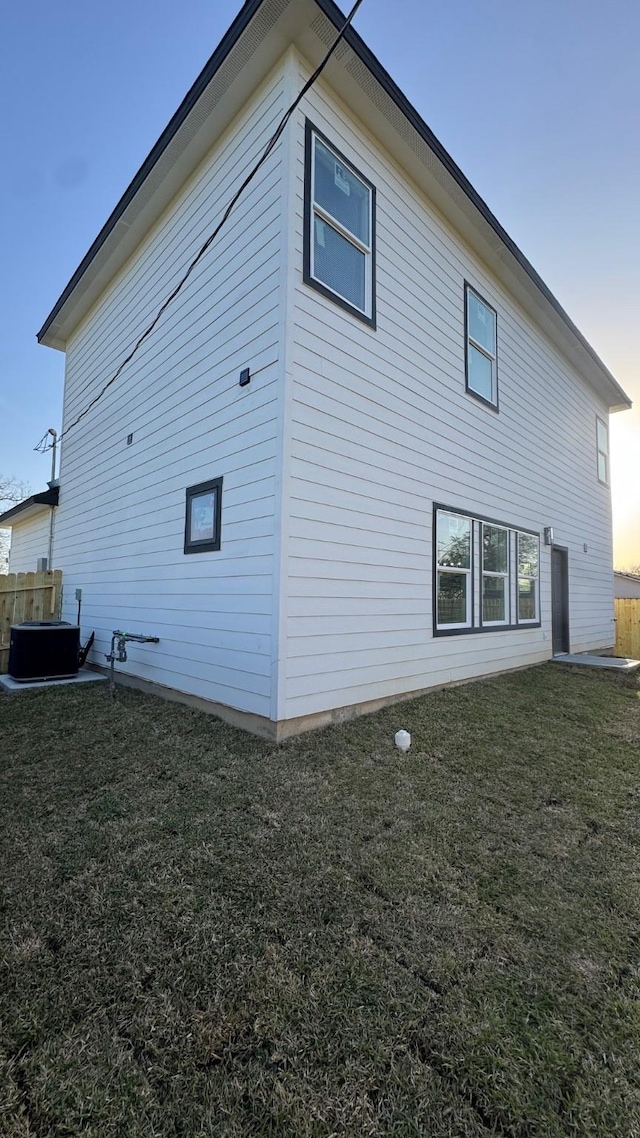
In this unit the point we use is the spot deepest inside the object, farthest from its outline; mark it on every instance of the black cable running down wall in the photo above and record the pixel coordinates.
(212, 236)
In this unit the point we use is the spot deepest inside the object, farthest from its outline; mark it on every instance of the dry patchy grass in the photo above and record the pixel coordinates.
(206, 934)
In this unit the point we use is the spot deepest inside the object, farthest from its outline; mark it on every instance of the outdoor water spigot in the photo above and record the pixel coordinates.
(119, 640)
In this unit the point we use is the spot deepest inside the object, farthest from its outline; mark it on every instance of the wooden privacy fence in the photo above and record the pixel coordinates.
(628, 627)
(27, 596)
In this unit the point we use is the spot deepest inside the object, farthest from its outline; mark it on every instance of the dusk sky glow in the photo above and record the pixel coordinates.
(538, 104)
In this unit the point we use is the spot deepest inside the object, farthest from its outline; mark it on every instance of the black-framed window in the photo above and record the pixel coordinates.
(486, 574)
(203, 516)
(339, 228)
(495, 575)
(481, 347)
(528, 578)
(454, 598)
(602, 442)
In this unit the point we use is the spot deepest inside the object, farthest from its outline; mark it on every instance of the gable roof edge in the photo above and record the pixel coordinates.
(608, 386)
(227, 42)
(357, 44)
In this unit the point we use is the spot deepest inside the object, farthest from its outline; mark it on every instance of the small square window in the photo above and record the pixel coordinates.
(339, 229)
(481, 348)
(602, 440)
(203, 516)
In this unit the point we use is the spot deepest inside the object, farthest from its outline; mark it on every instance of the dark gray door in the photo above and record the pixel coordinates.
(559, 600)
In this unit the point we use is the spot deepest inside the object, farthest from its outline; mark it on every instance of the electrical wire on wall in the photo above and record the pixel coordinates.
(212, 236)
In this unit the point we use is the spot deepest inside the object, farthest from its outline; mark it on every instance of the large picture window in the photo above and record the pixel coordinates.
(486, 574)
(481, 347)
(203, 517)
(339, 228)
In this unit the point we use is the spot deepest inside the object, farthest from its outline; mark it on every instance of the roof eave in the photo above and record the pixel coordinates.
(224, 47)
(586, 360)
(30, 507)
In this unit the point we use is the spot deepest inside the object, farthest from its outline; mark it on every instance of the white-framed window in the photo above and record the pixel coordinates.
(339, 245)
(602, 441)
(486, 574)
(495, 596)
(453, 571)
(528, 578)
(481, 347)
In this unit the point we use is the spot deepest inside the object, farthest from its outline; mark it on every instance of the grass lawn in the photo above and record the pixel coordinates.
(206, 934)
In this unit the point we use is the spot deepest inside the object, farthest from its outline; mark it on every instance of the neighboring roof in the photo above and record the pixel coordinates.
(628, 576)
(258, 36)
(31, 507)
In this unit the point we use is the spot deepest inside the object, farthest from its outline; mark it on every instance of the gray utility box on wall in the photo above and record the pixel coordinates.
(43, 650)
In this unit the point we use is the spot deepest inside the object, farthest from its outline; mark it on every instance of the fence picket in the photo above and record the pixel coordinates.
(628, 627)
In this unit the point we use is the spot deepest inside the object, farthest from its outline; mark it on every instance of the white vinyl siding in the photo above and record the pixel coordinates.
(332, 457)
(29, 542)
(626, 586)
(381, 427)
(121, 525)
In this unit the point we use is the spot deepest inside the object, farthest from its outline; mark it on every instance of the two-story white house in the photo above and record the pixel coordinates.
(364, 452)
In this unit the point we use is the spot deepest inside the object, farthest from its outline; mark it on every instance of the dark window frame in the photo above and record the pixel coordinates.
(606, 481)
(524, 622)
(468, 626)
(213, 484)
(475, 629)
(313, 282)
(482, 573)
(494, 406)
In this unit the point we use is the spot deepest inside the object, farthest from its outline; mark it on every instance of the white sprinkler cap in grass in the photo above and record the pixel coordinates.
(402, 740)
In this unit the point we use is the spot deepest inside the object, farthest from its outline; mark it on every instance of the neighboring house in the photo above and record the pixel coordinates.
(324, 480)
(31, 523)
(626, 585)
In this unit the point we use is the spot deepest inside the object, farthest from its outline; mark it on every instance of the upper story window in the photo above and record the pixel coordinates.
(602, 435)
(481, 347)
(339, 224)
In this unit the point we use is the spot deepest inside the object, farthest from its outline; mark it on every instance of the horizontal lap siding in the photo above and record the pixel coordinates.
(382, 428)
(121, 526)
(29, 542)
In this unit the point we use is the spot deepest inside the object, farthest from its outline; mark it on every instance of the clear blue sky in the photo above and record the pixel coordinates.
(538, 103)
